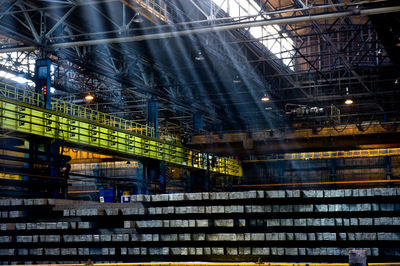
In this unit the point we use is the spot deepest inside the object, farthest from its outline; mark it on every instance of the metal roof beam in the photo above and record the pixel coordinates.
(60, 21)
(30, 23)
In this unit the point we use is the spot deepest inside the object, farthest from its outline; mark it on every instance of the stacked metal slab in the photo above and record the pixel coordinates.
(289, 226)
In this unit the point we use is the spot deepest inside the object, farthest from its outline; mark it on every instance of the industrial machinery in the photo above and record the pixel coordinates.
(312, 115)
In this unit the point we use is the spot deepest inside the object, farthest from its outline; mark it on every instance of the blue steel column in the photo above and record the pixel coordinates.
(43, 80)
(54, 157)
(333, 169)
(142, 177)
(153, 171)
(198, 178)
(281, 171)
(198, 122)
(163, 181)
(28, 144)
(188, 178)
(52, 147)
(207, 183)
(388, 161)
(152, 115)
(43, 150)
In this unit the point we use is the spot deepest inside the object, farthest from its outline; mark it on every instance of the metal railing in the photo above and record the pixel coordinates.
(44, 122)
(36, 99)
(328, 155)
(156, 7)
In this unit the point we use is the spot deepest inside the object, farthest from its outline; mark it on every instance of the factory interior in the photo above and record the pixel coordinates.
(200, 132)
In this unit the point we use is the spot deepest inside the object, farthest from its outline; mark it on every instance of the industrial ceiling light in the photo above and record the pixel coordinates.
(199, 56)
(237, 79)
(265, 98)
(348, 100)
(138, 18)
(268, 108)
(89, 97)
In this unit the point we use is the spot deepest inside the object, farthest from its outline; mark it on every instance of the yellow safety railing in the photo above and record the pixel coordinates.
(36, 99)
(9, 176)
(25, 118)
(156, 7)
(330, 155)
(103, 165)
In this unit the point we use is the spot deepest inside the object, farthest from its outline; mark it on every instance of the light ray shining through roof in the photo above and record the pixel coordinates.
(280, 44)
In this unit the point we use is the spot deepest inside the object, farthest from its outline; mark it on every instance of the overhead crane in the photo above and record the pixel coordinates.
(21, 110)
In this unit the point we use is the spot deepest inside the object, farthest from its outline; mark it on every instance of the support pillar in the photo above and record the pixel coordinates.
(333, 169)
(154, 172)
(141, 175)
(43, 81)
(163, 177)
(207, 181)
(53, 157)
(388, 164)
(219, 130)
(152, 115)
(46, 154)
(281, 171)
(55, 169)
(188, 179)
(198, 122)
(199, 179)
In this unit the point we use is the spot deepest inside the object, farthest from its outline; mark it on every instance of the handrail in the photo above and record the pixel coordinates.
(38, 121)
(36, 99)
(380, 152)
(358, 182)
(157, 8)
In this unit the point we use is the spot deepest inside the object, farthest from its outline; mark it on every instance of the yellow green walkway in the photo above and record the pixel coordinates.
(20, 111)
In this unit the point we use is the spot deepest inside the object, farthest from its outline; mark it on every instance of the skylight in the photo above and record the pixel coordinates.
(15, 78)
(21, 80)
(22, 63)
(272, 37)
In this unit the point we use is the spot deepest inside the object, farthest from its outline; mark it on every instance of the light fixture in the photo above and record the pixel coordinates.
(137, 18)
(268, 108)
(199, 56)
(89, 97)
(265, 98)
(349, 101)
(396, 81)
(237, 79)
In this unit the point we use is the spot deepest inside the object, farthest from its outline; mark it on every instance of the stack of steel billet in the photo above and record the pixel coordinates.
(285, 226)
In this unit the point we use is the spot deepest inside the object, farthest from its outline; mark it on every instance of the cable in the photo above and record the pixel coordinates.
(391, 128)
(359, 126)
(344, 128)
